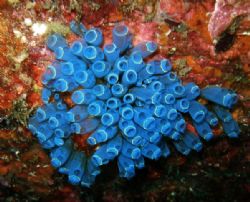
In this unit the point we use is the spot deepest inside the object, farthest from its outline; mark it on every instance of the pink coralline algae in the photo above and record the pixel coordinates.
(224, 13)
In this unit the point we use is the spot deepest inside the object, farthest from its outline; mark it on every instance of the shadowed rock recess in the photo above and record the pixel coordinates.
(127, 108)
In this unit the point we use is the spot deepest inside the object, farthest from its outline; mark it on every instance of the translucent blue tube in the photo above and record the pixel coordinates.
(67, 68)
(169, 78)
(76, 168)
(87, 179)
(93, 37)
(71, 163)
(121, 64)
(136, 140)
(61, 85)
(82, 28)
(231, 128)
(43, 113)
(126, 167)
(135, 61)
(111, 52)
(84, 126)
(85, 96)
(126, 112)
(102, 134)
(34, 124)
(143, 94)
(63, 131)
(164, 149)
(130, 151)
(100, 68)
(52, 72)
(77, 113)
(176, 89)
(100, 156)
(145, 48)
(121, 37)
(152, 137)
(77, 48)
(139, 103)
(48, 144)
(66, 166)
(182, 105)
(102, 92)
(171, 112)
(150, 108)
(168, 98)
(92, 169)
(56, 40)
(114, 146)
(57, 120)
(156, 86)
(63, 53)
(211, 118)
(112, 77)
(60, 82)
(149, 80)
(61, 106)
(85, 78)
(179, 123)
(155, 99)
(139, 163)
(223, 114)
(160, 110)
(128, 128)
(182, 147)
(92, 53)
(110, 117)
(161, 66)
(45, 95)
(192, 91)
(174, 135)
(146, 72)
(78, 65)
(192, 141)
(77, 28)
(44, 132)
(97, 108)
(118, 90)
(57, 97)
(129, 77)
(74, 27)
(155, 109)
(61, 154)
(204, 130)
(197, 111)
(151, 151)
(144, 119)
(113, 103)
(65, 84)
(220, 96)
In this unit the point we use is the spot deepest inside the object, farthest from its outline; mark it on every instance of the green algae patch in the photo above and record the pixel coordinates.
(13, 3)
(57, 27)
(182, 67)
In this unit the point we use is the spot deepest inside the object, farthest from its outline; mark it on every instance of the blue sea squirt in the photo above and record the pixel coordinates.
(129, 108)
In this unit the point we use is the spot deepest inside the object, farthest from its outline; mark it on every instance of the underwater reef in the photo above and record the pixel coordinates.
(125, 105)
(206, 42)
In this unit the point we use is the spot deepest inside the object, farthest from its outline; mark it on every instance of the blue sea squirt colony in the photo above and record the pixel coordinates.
(131, 108)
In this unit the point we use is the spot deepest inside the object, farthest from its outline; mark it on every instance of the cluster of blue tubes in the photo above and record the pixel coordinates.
(129, 107)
